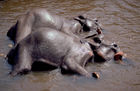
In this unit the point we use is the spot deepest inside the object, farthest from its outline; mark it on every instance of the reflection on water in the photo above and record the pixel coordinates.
(121, 21)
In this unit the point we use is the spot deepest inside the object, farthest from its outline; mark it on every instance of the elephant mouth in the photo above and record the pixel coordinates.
(118, 56)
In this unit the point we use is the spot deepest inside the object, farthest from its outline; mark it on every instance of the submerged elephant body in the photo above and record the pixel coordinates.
(57, 49)
(44, 37)
(51, 47)
(38, 18)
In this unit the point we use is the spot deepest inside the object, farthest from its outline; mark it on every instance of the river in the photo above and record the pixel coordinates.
(119, 18)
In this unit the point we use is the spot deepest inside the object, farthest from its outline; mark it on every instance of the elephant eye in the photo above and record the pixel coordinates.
(97, 40)
(115, 45)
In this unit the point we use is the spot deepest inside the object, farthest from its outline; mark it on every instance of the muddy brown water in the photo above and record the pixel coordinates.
(121, 21)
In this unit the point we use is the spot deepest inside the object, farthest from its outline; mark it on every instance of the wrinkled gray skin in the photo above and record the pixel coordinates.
(47, 44)
(58, 49)
(39, 18)
(52, 47)
(103, 51)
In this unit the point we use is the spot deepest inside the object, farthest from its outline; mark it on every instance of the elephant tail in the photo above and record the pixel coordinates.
(12, 32)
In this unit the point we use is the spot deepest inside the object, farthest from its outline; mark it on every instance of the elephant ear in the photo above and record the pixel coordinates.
(81, 19)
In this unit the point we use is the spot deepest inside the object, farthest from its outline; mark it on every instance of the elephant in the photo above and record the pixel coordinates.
(58, 49)
(52, 47)
(104, 51)
(40, 17)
